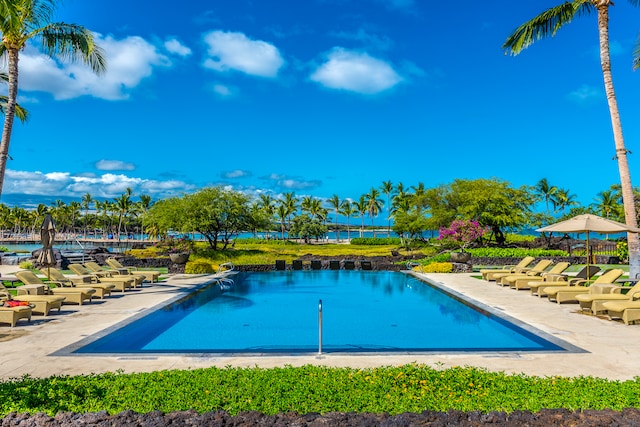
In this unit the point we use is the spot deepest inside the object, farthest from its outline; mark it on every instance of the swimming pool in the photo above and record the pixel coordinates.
(278, 312)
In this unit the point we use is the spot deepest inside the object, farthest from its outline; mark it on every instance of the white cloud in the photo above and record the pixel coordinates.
(235, 51)
(106, 185)
(174, 46)
(223, 91)
(355, 72)
(286, 183)
(235, 174)
(129, 61)
(585, 94)
(114, 165)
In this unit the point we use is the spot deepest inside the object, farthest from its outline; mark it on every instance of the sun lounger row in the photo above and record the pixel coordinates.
(596, 294)
(91, 281)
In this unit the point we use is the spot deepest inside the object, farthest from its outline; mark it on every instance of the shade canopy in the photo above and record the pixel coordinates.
(47, 236)
(589, 222)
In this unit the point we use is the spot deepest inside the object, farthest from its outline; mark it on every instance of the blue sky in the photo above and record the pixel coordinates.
(321, 97)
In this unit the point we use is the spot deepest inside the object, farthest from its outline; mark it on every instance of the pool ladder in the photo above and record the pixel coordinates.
(225, 284)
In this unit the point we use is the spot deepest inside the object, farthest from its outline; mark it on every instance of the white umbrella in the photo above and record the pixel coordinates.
(587, 223)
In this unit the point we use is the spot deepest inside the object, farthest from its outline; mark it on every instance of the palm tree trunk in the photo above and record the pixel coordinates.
(10, 111)
(621, 150)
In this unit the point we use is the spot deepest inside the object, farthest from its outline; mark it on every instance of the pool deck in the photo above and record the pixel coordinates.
(611, 349)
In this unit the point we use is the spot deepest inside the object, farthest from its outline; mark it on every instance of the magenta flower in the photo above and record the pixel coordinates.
(462, 233)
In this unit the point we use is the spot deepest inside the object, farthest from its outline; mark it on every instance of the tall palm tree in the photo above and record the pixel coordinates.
(387, 189)
(374, 205)
(361, 207)
(334, 202)
(86, 204)
(24, 20)
(348, 209)
(546, 191)
(547, 24)
(562, 199)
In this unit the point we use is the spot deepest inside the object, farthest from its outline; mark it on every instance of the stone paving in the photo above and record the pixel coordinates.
(607, 349)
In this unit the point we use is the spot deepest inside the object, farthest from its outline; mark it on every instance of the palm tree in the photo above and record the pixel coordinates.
(547, 24)
(86, 204)
(21, 113)
(282, 213)
(546, 191)
(374, 205)
(562, 199)
(334, 201)
(361, 207)
(25, 20)
(348, 209)
(387, 189)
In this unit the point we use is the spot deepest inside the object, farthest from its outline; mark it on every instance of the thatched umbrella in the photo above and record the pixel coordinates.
(47, 235)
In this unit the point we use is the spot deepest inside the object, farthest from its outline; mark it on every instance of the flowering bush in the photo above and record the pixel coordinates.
(172, 245)
(461, 233)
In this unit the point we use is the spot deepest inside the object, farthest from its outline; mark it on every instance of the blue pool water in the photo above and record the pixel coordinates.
(277, 312)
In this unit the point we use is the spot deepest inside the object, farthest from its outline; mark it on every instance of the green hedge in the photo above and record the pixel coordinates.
(393, 390)
(376, 241)
(515, 252)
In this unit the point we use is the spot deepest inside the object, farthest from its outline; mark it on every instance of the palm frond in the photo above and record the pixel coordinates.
(21, 113)
(73, 42)
(546, 24)
(636, 55)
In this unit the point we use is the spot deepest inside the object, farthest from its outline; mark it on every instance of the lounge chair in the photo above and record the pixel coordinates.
(121, 283)
(72, 295)
(507, 279)
(602, 284)
(39, 303)
(628, 311)
(150, 275)
(296, 264)
(595, 302)
(102, 272)
(11, 315)
(281, 265)
(316, 264)
(586, 272)
(102, 289)
(488, 273)
(522, 282)
(334, 264)
(365, 265)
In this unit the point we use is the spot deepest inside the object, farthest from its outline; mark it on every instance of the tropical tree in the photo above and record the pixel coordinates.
(374, 205)
(348, 210)
(86, 204)
(546, 191)
(387, 189)
(361, 206)
(547, 24)
(334, 202)
(25, 20)
(607, 204)
(562, 199)
(216, 214)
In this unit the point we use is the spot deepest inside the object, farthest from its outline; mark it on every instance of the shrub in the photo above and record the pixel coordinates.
(515, 252)
(376, 241)
(200, 266)
(436, 267)
(26, 265)
(461, 233)
(622, 250)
